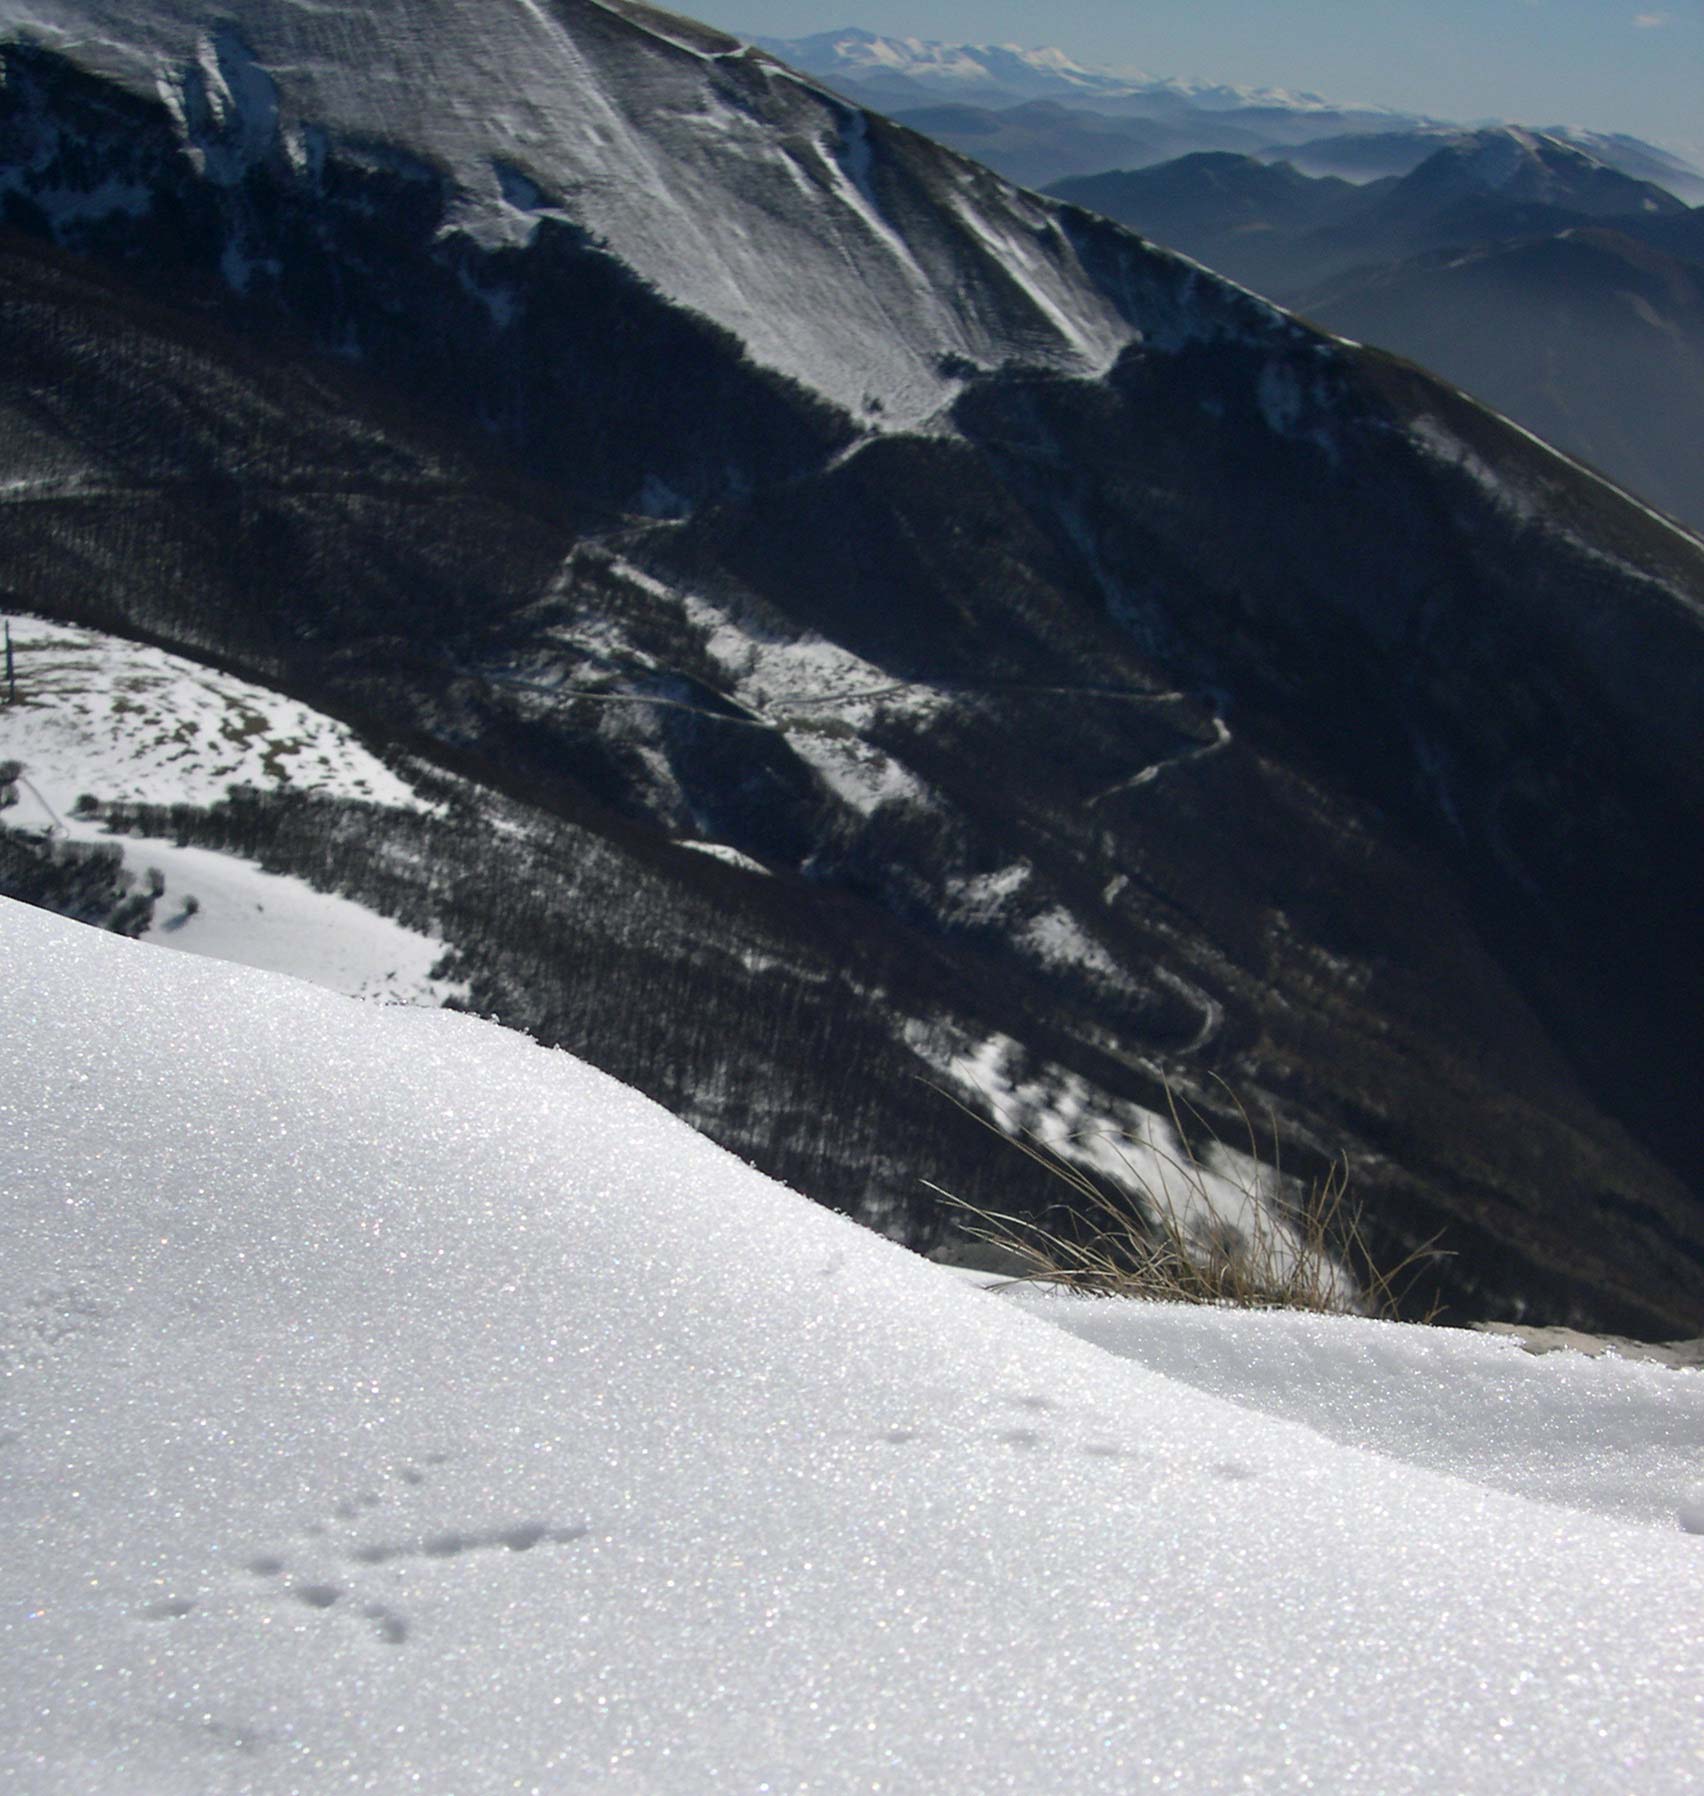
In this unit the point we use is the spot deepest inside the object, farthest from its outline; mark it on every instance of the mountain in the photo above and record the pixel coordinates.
(1284, 232)
(1587, 336)
(1525, 167)
(1051, 109)
(1552, 286)
(1043, 140)
(857, 632)
(350, 1347)
(1374, 155)
(916, 67)
(1036, 115)
(1259, 222)
(1006, 74)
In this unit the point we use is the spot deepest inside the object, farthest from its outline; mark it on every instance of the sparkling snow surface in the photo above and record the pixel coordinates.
(1615, 1436)
(394, 1405)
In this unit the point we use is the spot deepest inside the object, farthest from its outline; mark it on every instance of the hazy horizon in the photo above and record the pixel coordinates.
(1636, 68)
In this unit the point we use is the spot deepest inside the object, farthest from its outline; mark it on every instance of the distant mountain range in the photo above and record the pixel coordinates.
(853, 631)
(1036, 116)
(1563, 291)
(1453, 246)
(1003, 73)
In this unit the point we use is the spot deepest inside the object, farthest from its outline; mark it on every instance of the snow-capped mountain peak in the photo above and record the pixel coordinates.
(967, 70)
(1005, 73)
(1537, 167)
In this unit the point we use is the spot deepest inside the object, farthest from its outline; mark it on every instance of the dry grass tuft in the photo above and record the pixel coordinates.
(1176, 1238)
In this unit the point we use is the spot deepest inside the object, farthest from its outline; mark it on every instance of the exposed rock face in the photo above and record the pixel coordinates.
(1539, 1341)
(1119, 684)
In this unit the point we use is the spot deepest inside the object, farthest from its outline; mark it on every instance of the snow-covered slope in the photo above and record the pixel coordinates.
(1530, 166)
(100, 720)
(119, 720)
(1617, 1437)
(732, 185)
(392, 1404)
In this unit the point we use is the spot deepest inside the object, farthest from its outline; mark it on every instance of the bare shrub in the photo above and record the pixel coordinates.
(1175, 1238)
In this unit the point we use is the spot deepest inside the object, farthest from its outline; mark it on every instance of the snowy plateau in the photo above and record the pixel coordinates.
(394, 1405)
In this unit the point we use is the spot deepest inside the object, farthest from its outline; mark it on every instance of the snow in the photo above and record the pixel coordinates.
(1443, 445)
(802, 678)
(1614, 1436)
(1689, 537)
(1001, 73)
(730, 185)
(978, 900)
(126, 722)
(957, 69)
(1030, 272)
(280, 924)
(393, 1404)
(1058, 939)
(726, 852)
(1440, 444)
(119, 721)
(859, 774)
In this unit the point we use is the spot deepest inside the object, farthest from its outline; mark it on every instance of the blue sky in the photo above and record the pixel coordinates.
(1612, 65)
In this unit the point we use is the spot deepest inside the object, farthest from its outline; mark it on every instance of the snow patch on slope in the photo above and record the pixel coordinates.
(1060, 940)
(126, 722)
(277, 923)
(101, 718)
(733, 857)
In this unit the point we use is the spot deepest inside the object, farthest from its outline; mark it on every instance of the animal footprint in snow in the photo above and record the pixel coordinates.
(412, 1474)
(392, 1629)
(519, 1537)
